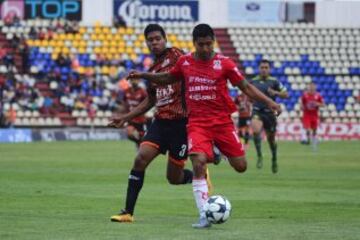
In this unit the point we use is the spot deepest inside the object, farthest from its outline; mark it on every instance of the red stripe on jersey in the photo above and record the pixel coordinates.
(169, 99)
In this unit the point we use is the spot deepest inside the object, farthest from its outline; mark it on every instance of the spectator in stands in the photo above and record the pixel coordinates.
(3, 53)
(42, 34)
(33, 33)
(63, 61)
(75, 64)
(75, 27)
(103, 103)
(92, 111)
(71, 27)
(68, 103)
(15, 41)
(16, 21)
(8, 19)
(47, 106)
(24, 52)
(81, 102)
(9, 60)
(2, 119)
(10, 117)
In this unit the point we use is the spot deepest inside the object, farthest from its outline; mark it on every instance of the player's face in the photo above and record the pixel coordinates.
(156, 42)
(264, 69)
(135, 83)
(312, 88)
(204, 47)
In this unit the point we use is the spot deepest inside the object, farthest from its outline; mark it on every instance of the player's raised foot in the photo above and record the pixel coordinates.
(208, 181)
(259, 163)
(274, 166)
(202, 223)
(123, 216)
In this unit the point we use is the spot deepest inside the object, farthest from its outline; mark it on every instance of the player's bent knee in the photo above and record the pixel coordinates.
(174, 180)
(240, 165)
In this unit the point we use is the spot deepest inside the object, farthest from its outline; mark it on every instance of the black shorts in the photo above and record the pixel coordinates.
(141, 127)
(168, 136)
(244, 121)
(268, 119)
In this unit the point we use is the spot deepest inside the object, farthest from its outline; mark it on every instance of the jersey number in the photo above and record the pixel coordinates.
(183, 150)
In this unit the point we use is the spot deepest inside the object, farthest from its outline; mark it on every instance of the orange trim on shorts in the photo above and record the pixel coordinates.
(150, 144)
(177, 162)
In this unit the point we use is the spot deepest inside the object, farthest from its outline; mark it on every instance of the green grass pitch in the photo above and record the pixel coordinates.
(68, 190)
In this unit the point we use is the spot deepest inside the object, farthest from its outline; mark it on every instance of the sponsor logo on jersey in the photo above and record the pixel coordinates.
(217, 65)
(165, 63)
(186, 63)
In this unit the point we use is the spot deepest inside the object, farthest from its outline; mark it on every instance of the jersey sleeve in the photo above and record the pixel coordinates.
(321, 99)
(176, 71)
(280, 87)
(303, 100)
(232, 72)
(144, 94)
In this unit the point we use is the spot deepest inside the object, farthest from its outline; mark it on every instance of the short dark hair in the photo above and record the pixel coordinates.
(153, 27)
(203, 30)
(265, 61)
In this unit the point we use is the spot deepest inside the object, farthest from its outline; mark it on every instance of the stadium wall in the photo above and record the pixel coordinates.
(338, 13)
(14, 135)
(287, 131)
(97, 11)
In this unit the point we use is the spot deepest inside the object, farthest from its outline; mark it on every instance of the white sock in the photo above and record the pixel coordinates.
(314, 142)
(200, 189)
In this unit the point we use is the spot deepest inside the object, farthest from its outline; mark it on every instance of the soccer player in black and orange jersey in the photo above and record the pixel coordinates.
(167, 132)
(133, 97)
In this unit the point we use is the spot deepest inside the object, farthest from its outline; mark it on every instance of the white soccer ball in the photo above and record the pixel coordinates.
(217, 209)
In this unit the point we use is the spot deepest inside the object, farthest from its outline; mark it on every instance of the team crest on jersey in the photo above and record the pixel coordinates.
(165, 63)
(217, 65)
(186, 63)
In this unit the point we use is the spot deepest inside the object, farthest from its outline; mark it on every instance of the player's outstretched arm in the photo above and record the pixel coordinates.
(158, 78)
(253, 93)
(282, 94)
(143, 107)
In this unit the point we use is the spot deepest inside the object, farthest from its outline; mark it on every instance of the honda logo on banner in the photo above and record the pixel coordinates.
(326, 131)
(12, 8)
(161, 10)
